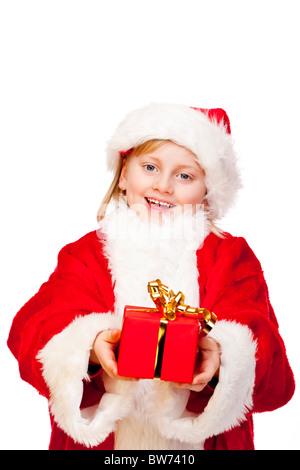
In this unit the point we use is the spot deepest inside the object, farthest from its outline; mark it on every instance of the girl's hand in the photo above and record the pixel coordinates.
(103, 352)
(207, 364)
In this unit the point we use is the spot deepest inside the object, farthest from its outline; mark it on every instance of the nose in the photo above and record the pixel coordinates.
(163, 184)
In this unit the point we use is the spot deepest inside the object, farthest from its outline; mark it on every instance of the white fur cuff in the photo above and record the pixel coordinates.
(232, 398)
(65, 362)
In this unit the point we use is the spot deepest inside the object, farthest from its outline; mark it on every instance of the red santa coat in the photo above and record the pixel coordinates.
(51, 337)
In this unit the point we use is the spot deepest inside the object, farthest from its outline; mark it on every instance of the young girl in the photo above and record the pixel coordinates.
(175, 174)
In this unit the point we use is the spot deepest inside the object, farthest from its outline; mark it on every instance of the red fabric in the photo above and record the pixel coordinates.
(79, 285)
(231, 284)
(218, 115)
(239, 438)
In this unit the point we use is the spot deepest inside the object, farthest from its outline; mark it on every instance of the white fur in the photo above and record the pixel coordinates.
(140, 252)
(147, 414)
(232, 398)
(65, 361)
(192, 129)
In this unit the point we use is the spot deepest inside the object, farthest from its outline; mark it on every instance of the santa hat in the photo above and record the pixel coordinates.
(205, 132)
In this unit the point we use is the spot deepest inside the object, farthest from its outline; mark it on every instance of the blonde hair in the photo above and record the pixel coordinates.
(113, 192)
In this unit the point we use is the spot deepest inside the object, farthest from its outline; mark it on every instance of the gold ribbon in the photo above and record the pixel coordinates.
(171, 305)
(160, 347)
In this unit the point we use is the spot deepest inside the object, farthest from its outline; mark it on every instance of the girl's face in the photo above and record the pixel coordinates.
(163, 181)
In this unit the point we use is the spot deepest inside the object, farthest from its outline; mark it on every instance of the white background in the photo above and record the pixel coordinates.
(70, 71)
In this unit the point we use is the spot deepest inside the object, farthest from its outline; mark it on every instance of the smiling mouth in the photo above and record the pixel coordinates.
(155, 203)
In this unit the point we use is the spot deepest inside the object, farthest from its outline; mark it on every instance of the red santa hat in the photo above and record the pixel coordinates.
(205, 132)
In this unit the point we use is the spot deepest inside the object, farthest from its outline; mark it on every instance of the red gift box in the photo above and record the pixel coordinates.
(142, 354)
(162, 342)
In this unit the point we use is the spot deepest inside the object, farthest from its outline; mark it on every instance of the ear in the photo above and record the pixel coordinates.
(123, 176)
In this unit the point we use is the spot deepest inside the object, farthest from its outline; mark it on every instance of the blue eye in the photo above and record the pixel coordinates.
(183, 176)
(150, 167)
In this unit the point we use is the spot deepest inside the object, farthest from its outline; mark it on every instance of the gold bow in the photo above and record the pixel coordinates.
(172, 305)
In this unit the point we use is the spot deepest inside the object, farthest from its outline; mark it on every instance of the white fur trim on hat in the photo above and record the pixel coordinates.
(208, 139)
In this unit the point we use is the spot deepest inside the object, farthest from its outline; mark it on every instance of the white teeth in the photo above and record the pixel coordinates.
(159, 203)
